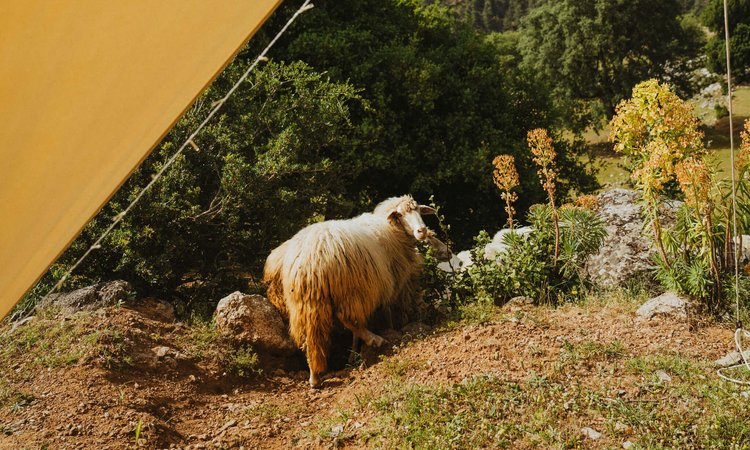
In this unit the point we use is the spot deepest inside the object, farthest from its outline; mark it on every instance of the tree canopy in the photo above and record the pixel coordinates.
(739, 36)
(592, 52)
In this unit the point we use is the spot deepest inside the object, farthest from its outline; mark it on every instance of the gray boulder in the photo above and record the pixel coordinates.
(252, 319)
(627, 250)
(90, 298)
(668, 305)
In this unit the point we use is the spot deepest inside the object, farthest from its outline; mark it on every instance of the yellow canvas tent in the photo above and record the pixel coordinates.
(87, 89)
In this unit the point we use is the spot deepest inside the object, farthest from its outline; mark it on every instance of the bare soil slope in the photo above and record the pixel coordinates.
(526, 377)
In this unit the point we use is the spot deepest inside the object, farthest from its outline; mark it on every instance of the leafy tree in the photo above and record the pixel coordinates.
(739, 36)
(693, 6)
(493, 15)
(592, 52)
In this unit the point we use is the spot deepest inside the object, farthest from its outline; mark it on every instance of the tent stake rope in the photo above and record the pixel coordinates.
(306, 6)
(739, 332)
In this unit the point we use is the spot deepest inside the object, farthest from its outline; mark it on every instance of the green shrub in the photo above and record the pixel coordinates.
(720, 111)
(528, 266)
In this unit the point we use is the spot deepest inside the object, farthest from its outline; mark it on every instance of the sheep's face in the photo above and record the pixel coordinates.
(408, 214)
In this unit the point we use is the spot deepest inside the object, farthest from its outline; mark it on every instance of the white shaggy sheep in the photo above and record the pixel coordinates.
(345, 269)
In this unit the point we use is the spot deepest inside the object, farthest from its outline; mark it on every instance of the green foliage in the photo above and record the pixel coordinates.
(243, 362)
(592, 52)
(695, 7)
(739, 36)
(713, 15)
(739, 43)
(359, 103)
(494, 15)
(443, 99)
(527, 267)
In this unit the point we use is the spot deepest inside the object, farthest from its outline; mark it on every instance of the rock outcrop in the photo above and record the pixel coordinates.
(627, 251)
(252, 319)
(89, 298)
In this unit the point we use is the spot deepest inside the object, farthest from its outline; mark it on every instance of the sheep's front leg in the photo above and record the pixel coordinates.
(370, 338)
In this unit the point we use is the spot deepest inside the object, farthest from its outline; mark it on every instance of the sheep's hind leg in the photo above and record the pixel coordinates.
(369, 338)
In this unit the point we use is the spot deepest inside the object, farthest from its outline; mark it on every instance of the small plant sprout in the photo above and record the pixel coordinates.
(506, 179)
(544, 156)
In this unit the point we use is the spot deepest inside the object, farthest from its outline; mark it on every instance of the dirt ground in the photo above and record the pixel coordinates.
(170, 399)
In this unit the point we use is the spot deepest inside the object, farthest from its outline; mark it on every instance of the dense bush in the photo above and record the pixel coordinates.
(527, 267)
(545, 263)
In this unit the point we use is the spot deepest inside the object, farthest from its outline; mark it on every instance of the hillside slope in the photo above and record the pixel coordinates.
(517, 377)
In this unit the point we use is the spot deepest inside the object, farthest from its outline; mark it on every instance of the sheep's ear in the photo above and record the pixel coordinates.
(426, 210)
(394, 217)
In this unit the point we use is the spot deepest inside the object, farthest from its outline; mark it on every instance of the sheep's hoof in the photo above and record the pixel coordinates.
(375, 340)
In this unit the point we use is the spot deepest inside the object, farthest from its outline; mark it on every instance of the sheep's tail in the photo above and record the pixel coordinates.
(310, 322)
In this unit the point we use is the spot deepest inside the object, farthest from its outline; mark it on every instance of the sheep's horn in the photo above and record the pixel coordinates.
(426, 210)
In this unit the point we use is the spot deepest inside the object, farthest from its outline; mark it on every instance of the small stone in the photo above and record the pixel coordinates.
(521, 300)
(229, 424)
(21, 323)
(415, 328)
(591, 433)
(623, 428)
(390, 335)
(731, 359)
(336, 430)
(663, 376)
(161, 351)
(668, 305)
(628, 444)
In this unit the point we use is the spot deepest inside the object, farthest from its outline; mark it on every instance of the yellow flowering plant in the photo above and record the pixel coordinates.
(506, 179)
(544, 157)
(659, 134)
(655, 129)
